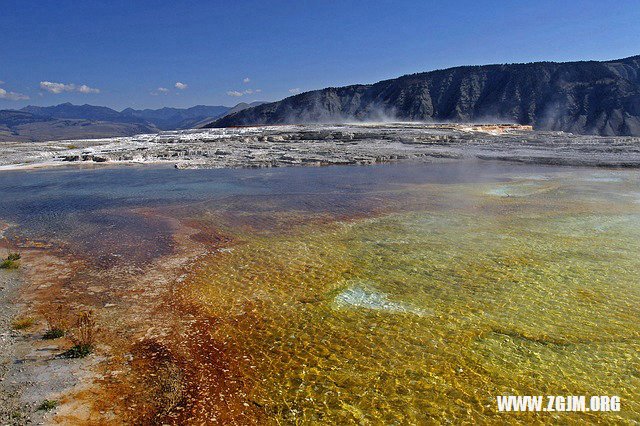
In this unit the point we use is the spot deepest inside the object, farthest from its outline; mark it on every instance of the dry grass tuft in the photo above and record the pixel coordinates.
(57, 325)
(83, 336)
(22, 323)
(85, 330)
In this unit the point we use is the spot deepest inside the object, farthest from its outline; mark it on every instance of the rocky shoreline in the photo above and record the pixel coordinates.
(12, 411)
(339, 144)
(32, 371)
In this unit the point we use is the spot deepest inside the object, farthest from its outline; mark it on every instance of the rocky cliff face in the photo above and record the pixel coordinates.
(580, 97)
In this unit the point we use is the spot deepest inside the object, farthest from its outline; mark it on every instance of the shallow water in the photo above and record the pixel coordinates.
(391, 294)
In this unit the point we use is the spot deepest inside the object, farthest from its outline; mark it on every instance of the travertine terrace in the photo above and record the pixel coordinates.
(338, 144)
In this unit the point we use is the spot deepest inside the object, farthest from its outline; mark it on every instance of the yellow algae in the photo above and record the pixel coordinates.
(429, 311)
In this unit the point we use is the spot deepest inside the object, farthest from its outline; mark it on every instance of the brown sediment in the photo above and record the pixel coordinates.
(150, 348)
(215, 390)
(208, 235)
(128, 304)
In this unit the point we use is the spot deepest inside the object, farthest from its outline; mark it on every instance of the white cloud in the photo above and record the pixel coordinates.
(244, 92)
(294, 91)
(86, 89)
(55, 87)
(12, 96)
(246, 80)
(61, 87)
(159, 90)
(181, 86)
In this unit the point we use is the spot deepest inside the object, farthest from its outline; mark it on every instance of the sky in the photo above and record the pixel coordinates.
(151, 54)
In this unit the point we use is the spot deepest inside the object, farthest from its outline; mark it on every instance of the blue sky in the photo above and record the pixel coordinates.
(124, 53)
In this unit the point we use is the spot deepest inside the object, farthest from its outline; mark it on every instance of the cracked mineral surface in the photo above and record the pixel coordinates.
(339, 144)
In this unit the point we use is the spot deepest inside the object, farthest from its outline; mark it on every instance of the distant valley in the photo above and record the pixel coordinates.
(68, 121)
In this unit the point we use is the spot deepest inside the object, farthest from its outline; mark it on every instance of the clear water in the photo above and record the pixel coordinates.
(392, 294)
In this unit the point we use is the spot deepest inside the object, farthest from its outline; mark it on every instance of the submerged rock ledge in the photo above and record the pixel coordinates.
(338, 144)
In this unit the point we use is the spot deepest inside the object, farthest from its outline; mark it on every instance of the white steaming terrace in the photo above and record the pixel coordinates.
(337, 144)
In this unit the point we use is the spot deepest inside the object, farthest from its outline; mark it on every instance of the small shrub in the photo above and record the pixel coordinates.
(78, 351)
(14, 256)
(72, 146)
(22, 323)
(48, 405)
(9, 264)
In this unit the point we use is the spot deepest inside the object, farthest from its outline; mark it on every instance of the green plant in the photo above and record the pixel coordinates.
(9, 264)
(22, 323)
(78, 351)
(48, 405)
(14, 256)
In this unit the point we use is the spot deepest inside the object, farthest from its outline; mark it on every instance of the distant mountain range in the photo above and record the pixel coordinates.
(68, 121)
(176, 118)
(587, 97)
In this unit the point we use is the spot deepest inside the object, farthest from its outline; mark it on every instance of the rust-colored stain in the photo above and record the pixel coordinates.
(179, 374)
